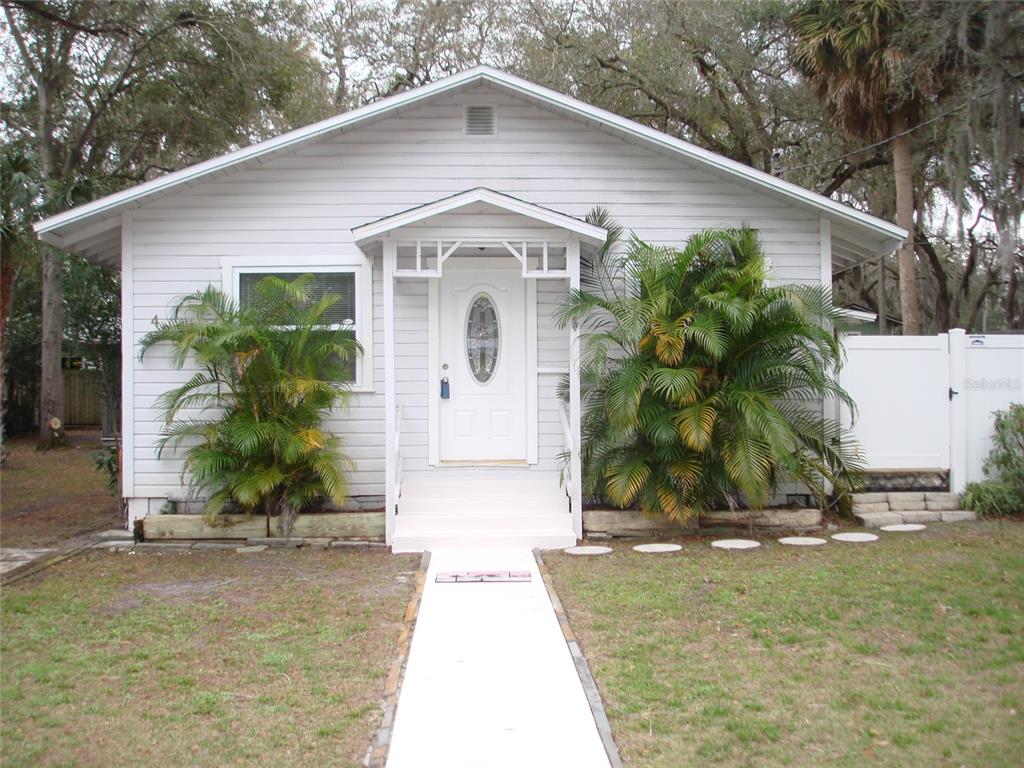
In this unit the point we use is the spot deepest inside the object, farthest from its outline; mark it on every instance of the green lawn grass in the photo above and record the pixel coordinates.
(200, 659)
(907, 652)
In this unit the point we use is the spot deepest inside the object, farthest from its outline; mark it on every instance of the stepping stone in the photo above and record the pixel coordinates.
(350, 544)
(855, 537)
(903, 528)
(873, 508)
(870, 498)
(943, 505)
(878, 519)
(115, 534)
(958, 516)
(735, 544)
(22, 555)
(802, 541)
(114, 546)
(162, 546)
(587, 550)
(653, 548)
(906, 496)
(942, 502)
(912, 505)
(921, 517)
(273, 541)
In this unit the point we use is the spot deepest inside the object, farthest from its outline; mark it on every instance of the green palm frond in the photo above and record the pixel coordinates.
(677, 385)
(626, 386)
(249, 420)
(701, 383)
(696, 423)
(626, 478)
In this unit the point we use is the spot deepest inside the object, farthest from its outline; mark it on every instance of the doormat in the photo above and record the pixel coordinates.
(478, 577)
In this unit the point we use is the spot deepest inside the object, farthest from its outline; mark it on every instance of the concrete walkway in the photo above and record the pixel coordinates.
(14, 557)
(490, 681)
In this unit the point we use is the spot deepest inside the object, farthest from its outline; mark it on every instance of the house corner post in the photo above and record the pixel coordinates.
(390, 402)
(957, 410)
(133, 510)
(575, 415)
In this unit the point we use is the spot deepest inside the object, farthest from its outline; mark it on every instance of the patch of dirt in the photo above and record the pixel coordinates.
(49, 505)
(48, 497)
(183, 592)
(242, 580)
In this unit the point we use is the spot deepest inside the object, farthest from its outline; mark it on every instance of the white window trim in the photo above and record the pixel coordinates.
(360, 266)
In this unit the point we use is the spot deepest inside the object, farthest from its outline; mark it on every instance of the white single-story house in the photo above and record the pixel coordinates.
(451, 217)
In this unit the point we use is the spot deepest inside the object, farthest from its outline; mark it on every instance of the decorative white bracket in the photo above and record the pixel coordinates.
(441, 256)
(443, 249)
(545, 271)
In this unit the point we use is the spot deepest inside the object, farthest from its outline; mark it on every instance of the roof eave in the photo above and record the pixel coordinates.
(691, 151)
(299, 135)
(886, 231)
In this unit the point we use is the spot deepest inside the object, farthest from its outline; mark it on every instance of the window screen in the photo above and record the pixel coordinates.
(341, 284)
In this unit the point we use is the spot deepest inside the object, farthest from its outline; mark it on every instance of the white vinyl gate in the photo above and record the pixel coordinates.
(926, 402)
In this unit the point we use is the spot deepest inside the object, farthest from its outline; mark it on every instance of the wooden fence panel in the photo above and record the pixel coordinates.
(82, 398)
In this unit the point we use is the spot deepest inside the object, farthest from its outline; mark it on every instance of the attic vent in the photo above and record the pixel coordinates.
(480, 121)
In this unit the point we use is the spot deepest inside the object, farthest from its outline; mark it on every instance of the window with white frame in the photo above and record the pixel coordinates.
(353, 310)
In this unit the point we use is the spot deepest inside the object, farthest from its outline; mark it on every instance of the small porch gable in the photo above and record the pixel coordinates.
(451, 269)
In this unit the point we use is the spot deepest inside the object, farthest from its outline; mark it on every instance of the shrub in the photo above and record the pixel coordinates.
(702, 384)
(106, 461)
(269, 374)
(993, 497)
(1002, 492)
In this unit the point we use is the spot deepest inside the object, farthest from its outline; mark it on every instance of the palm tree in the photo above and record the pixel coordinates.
(269, 374)
(701, 384)
(847, 51)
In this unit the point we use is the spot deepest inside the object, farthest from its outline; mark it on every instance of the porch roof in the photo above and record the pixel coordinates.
(474, 199)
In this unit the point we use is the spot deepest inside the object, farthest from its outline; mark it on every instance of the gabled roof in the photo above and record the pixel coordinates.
(87, 228)
(588, 233)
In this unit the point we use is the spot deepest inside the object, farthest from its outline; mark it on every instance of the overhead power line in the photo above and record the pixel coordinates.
(910, 130)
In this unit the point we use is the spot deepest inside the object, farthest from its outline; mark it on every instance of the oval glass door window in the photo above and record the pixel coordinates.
(482, 338)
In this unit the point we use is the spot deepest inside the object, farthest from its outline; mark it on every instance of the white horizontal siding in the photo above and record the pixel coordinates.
(303, 204)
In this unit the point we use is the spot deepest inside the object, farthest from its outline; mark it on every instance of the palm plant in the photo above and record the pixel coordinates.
(701, 384)
(850, 53)
(251, 417)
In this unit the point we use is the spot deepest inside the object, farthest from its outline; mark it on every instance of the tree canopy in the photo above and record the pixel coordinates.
(99, 96)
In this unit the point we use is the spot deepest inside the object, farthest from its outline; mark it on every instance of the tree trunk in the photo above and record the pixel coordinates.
(904, 172)
(942, 315)
(51, 391)
(883, 308)
(6, 284)
(1011, 301)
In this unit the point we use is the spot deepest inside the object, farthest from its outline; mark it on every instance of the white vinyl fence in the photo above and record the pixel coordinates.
(926, 402)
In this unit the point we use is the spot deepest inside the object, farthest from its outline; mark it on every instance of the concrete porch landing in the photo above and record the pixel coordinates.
(466, 507)
(490, 680)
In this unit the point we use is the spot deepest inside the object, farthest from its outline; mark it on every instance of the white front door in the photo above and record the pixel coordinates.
(483, 357)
